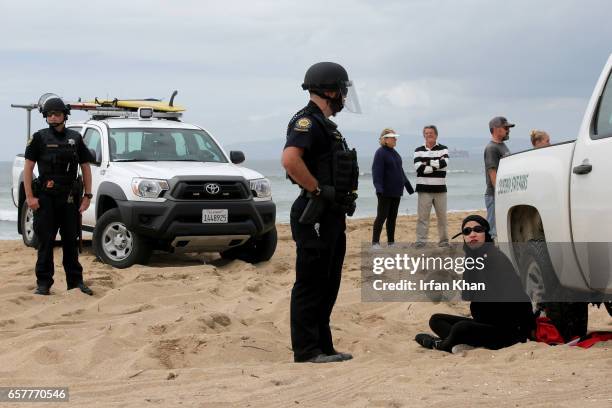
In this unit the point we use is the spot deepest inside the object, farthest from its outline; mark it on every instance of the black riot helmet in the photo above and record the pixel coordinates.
(329, 76)
(52, 103)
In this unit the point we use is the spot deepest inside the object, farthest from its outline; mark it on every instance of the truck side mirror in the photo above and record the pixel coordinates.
(236, 156)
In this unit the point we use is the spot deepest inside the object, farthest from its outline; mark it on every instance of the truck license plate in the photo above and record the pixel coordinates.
(218, 216)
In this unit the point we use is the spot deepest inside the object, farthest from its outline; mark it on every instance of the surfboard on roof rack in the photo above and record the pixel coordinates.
(119, 108)
(133, 104)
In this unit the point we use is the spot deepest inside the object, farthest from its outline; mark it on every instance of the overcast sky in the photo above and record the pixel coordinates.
(238, 65)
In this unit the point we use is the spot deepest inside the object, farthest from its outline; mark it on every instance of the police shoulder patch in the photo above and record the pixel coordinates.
(303, 125)
(30, 140)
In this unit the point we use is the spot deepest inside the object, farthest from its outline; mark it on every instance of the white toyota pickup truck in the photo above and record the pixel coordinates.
(160, 183)
(553, 208)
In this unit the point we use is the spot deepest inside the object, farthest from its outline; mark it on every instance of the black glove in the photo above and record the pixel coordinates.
(350, 208)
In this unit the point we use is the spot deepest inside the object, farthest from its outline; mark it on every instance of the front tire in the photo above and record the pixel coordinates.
(255, 250)
(27, 226)
(117, 245)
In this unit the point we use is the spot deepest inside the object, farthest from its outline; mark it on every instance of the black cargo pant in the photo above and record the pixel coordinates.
(318, 269)
(56, 213)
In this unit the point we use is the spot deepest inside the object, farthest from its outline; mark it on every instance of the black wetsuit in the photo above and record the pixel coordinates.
(501, 316)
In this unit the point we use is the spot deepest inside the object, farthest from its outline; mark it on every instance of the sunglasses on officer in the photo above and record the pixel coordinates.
(54, 113)
(479, 229)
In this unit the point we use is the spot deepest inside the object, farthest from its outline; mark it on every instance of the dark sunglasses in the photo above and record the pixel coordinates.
(478, 229)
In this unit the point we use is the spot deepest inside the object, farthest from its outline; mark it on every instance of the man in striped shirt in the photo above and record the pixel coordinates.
(431, 161)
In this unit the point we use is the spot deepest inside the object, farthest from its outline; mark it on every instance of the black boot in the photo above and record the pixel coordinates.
(427, 340)
(42, 290)
(344, 356)
(84, 288)
(324, 358)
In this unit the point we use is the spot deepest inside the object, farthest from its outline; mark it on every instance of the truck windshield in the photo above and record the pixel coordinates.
(163, 145)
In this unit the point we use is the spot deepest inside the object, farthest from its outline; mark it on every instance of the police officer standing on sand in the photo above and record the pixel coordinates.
(317, 158)
(56, 196)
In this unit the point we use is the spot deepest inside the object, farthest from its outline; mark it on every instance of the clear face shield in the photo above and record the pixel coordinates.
(351, 100)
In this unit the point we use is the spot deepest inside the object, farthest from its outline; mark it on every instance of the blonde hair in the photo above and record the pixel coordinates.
(537, 135)
(385, 131)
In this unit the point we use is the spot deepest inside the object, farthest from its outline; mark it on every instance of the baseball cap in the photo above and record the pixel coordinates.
(498, 122)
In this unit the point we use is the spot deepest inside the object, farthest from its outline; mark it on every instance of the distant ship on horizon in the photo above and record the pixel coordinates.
(457, 153)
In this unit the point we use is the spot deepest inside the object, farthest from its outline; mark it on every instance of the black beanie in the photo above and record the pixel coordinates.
(475, 217)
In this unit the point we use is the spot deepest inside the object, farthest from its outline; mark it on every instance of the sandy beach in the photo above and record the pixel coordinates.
(197, 331)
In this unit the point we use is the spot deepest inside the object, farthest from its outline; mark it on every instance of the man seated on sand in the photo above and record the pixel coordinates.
(501, 316)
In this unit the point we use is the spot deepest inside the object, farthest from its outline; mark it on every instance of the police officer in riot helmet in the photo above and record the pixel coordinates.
(317, 158)
(57, 196)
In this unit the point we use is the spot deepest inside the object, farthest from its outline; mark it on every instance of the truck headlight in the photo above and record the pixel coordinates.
(149, 188)
(261, 189)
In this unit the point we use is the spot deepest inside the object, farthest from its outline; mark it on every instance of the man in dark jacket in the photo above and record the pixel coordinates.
(316, 156)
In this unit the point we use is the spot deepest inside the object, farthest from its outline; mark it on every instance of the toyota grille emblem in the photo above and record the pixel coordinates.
(212, 188)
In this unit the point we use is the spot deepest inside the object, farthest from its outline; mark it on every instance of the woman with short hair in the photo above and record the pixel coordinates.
(389, 181)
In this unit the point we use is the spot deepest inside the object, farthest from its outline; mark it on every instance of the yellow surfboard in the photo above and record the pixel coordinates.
(158, 106)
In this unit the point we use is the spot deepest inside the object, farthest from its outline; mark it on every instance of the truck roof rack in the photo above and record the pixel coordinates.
(101, 112)
(104, 109)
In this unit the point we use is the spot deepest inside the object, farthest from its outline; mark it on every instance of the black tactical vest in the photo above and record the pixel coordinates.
(338, 167)
(58, 160)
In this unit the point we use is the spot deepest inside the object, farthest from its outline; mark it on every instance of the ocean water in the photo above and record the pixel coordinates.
(8, 211)
(465, 182)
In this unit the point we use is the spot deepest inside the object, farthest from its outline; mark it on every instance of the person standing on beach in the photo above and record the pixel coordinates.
(56, 196)
(431, 162)
(389, 181)
(494, 151)
(539, 138)
(317, 158)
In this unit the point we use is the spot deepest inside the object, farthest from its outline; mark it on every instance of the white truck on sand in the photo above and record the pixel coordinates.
(553, 208)
(159, 183)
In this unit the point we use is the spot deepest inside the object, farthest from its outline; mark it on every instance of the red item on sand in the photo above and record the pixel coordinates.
(546, 332)
(593, 338)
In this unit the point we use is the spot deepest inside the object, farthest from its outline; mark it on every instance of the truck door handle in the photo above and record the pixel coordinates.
(583, 169)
